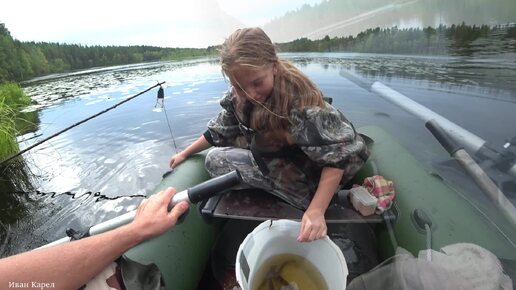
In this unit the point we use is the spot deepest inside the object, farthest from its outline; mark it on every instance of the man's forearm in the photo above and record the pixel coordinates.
(70, 270)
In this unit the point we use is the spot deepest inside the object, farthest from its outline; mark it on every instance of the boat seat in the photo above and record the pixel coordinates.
(258, 205)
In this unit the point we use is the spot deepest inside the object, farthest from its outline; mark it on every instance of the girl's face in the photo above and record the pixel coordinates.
(254, 84)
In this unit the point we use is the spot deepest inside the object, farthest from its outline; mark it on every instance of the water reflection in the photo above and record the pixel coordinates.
(91, 83)
(495, 79)
(15, 180)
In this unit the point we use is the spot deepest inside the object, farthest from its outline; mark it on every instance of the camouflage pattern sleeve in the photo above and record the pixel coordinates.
(326, 136)
(224, 129)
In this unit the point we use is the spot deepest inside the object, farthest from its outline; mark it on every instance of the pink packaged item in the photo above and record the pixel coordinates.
(363, 201)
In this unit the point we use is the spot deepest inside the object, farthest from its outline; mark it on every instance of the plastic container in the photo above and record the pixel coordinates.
(363, 201)
(280, 237)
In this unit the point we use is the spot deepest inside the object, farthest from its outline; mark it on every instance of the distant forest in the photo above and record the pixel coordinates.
(454, 40)
(24, 60)
(350, 17)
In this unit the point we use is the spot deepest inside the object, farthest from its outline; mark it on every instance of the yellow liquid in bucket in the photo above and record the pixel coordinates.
(288, 272)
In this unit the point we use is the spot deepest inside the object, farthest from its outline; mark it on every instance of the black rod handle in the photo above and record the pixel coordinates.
(213, 186)
(206, 189)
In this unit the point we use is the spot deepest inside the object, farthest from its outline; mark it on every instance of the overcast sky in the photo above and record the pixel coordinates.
(168, 23)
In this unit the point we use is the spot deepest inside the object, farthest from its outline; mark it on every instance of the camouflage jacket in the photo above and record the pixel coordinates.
(324, 136)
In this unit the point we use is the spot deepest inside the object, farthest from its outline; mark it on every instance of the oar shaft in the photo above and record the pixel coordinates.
(471, 142)
(474, 170)
(485, 183)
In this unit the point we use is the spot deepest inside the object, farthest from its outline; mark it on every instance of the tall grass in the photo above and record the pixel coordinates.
(12, 99)
(13, 95)
(15, 176)
(8, 144)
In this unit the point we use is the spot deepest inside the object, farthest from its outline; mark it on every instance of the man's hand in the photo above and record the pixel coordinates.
(152, 218)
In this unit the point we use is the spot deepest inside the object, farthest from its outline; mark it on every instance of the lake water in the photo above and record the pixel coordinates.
(122, 154)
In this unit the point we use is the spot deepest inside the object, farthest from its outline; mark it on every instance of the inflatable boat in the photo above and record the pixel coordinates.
(426, 214)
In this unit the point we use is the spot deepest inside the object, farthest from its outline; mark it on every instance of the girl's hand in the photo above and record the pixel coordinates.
(177, 159)
(313, 226)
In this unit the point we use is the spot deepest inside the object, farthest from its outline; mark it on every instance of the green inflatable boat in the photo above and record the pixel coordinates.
(426, 213)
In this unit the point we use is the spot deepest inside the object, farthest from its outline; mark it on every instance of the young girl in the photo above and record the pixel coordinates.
(276, 129)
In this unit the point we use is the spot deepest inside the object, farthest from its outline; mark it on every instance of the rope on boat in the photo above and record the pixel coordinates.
(428, 243)
(77, 124)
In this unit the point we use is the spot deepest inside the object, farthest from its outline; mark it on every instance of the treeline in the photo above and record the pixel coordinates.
(24, 60)
(453, 40)
(350, 17)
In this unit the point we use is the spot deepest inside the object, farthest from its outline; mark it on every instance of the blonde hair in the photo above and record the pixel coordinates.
(252, 47)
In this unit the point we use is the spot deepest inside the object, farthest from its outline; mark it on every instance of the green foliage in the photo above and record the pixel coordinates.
(511, 32)
(350, 17)
(26, 122)
(12, 95)
(23, 60)
(8, 143)
(453, 40)
(12, 100)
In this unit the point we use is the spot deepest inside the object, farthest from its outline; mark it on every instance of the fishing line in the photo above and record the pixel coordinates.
(77, 124)
(231, 76)
(260, 103)
(98, 195)
(170, 129)
(160, 104)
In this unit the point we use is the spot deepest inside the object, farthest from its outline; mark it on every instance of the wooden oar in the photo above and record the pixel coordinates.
(194, 194)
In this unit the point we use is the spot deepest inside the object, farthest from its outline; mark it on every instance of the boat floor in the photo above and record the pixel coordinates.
(258, 205)
(243, 210)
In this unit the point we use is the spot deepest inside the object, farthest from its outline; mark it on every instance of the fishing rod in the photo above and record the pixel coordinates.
(194, 194)
(79, 123)
(505, 162)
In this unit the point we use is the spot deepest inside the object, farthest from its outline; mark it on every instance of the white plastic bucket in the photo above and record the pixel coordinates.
(268, 240)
